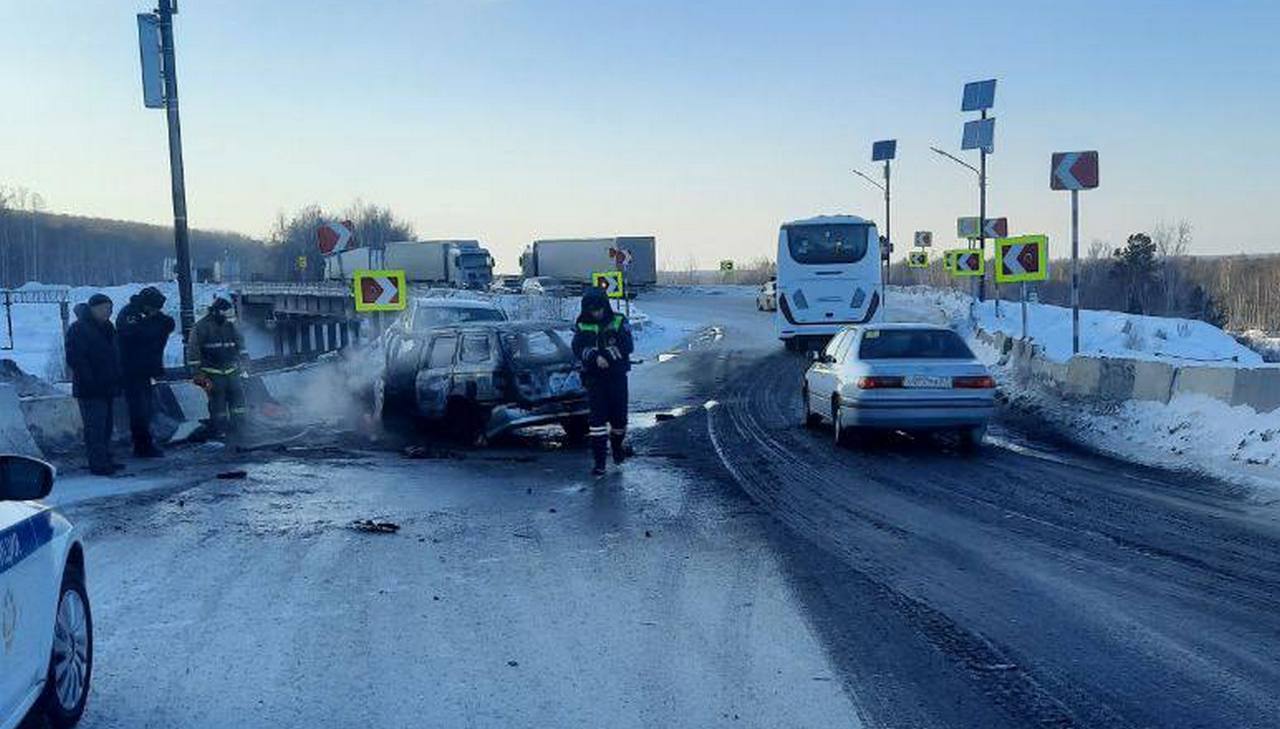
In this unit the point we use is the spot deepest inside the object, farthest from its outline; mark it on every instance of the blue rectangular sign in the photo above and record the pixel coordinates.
(885, 149)
(149, 49)
(979, 95)
(979, 134)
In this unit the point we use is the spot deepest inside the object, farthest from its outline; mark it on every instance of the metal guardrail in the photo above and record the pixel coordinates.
(9, 297)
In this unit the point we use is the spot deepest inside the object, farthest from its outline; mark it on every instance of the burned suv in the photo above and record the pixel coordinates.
(486, 378)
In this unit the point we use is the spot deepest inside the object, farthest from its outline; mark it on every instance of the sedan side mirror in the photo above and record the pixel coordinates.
(24, 479)
(815, 355)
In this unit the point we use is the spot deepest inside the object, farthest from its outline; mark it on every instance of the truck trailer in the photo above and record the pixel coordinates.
(573, 260)
(463, 264)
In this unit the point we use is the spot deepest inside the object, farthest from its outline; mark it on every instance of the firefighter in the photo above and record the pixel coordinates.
(143, 330)
(215, 354)
(602, 344)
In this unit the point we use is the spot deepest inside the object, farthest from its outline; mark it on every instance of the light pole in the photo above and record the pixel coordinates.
(883, 257)
(982, 186)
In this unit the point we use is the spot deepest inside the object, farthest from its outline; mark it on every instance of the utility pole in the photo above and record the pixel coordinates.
(181, 239)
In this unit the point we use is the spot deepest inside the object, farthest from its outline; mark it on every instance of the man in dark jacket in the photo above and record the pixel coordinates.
(143, 330)
(602, 343)
(95, 378)
(215, 354)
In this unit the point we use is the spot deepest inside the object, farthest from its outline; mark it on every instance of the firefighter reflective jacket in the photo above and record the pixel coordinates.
(216, 347)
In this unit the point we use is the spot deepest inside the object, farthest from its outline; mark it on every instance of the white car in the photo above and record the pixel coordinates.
(544, 286)
(46, 628)
(767, 296)
(913, 377)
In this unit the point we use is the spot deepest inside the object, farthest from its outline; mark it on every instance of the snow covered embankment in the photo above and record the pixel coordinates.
(1166, 392)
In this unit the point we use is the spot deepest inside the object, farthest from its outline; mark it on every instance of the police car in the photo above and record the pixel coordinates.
(46, 632)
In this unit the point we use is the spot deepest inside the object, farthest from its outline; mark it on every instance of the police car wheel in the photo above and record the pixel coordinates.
(66, 687)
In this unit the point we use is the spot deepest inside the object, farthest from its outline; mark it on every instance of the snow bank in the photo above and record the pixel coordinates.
(1102, 333)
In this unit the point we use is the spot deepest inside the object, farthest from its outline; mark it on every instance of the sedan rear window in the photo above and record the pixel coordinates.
(913, 344)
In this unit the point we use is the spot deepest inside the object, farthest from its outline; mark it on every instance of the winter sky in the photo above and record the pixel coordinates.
(705, 123)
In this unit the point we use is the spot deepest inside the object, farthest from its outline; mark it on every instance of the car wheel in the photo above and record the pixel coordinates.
(811, 419)
(971, 438)
(66, 687)
(838, 431)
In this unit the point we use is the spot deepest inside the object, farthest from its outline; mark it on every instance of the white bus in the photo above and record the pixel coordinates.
(828, 277)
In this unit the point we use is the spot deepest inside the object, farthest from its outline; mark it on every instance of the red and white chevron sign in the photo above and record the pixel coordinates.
(334, 238)
(1073, 171)
(380, 290)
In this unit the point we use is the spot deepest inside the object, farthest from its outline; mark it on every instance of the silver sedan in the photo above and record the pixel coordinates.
(913, 377)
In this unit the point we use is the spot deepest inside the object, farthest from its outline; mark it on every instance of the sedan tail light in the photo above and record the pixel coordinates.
(979, 382)
(878, 383)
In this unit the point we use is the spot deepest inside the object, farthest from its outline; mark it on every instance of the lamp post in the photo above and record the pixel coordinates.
(884, 259)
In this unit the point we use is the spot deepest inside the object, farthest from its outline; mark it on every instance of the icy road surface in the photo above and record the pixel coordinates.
(741, 572)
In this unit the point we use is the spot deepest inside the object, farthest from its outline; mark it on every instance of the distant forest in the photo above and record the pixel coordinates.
(73, 250)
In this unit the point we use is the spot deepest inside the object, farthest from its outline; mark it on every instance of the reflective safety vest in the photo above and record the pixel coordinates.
(215, 348)
(612, 326)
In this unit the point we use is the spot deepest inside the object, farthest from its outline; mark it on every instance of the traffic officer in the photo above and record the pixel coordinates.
(143, 330)
(602, 343)
(215, 354)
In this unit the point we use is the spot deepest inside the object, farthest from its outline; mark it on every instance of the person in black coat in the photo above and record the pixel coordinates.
(95, 378)
(603, 344)
(143, 330)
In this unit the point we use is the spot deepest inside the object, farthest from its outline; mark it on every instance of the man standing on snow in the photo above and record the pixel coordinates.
(90, 348)
(215, 354)
(602, 343)
(143, 330)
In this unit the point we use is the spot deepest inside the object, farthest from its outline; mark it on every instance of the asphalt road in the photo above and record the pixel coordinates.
(742, 571)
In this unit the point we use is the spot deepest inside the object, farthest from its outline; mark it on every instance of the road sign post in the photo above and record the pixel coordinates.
(883, 151)
(380, 290)
(1074, 171)
(1020, 260)
(611, 282)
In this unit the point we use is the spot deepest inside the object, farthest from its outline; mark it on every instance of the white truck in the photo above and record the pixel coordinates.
(463, 264)
(573, 260)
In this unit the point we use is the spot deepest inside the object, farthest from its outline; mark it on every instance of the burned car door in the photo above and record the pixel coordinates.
(435, 375)
(473, 376)
(403, 353)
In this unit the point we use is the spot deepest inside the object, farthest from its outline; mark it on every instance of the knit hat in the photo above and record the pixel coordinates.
(594, 298)
(220, 304)
(152, 297)
(97, 299)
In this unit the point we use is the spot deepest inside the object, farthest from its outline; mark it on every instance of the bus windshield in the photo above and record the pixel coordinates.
(827, 244)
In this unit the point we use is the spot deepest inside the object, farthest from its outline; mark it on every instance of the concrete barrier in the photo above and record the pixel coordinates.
(1218, 383)
(53, 422)
(15, 436)
(1153, 381)
(1119, 378)
(1258, 387)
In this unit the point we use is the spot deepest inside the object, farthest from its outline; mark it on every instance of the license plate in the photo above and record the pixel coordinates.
(564, 382)
(927, 381)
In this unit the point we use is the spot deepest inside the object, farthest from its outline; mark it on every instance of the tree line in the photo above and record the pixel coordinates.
(73, 250)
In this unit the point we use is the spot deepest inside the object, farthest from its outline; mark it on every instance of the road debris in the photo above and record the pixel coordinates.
(233, 475)
(375, 527)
